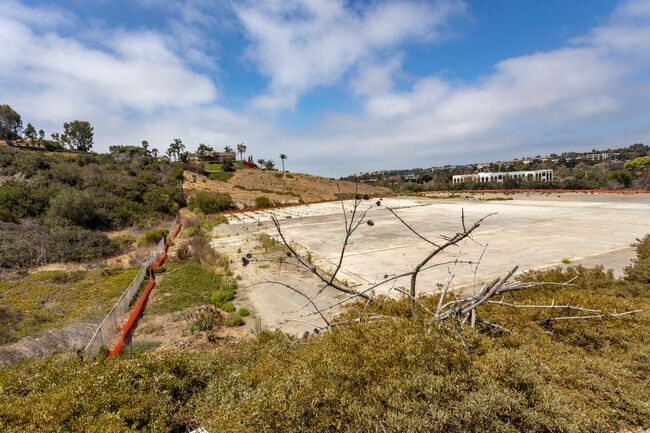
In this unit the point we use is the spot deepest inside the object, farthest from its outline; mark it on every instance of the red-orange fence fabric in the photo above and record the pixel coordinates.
(119, 347)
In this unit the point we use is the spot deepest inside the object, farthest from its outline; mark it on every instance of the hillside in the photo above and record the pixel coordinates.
(381, 369)
(281, 188)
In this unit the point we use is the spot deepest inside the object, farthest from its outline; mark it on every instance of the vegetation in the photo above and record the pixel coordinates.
(152, 237)
(381, 368)
(10, 123)
(185, 284)
(30, 244)
(211, 202)
(78, 135)
(614, 169)
(262, 201)
(400, 374)
(37, 302)
(53, 204)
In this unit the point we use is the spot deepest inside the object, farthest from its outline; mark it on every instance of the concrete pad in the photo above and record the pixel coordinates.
(530, 231)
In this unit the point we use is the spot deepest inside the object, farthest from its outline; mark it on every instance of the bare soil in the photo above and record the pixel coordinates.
(281, 188)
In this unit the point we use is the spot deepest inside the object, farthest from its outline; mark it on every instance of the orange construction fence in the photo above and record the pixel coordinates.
(119, 347)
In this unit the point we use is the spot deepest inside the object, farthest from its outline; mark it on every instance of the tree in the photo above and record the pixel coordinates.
(261, 162)
(228, 149)
(10, 123)
(154, 152)
(41, 135)
(78, 135)
(203, 151)
(241, 149)
(175, 148)
(30, 132)
(283, 157)
(228, 165)
(145, 144)
(269, 165)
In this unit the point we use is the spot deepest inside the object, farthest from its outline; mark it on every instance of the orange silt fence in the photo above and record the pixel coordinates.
(137, 311)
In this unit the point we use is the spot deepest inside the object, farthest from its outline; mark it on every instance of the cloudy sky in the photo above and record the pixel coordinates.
(339, 86)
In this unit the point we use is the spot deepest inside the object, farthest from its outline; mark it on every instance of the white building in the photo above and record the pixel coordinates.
(535, 175)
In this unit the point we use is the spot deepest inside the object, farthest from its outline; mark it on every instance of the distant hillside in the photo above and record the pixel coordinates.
(279, 187)
(57, 206)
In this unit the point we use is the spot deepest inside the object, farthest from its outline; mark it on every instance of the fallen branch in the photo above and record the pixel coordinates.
(594, 316)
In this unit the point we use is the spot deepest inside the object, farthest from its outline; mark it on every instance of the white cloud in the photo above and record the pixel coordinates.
(135, 85)
(374, 78)
(527, 99)
(302, 44)
(130, 71)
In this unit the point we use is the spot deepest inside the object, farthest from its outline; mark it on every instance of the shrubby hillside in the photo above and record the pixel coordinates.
(391, 374)
(53, 206)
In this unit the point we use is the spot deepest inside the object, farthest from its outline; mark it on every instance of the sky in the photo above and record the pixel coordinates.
(339, 87)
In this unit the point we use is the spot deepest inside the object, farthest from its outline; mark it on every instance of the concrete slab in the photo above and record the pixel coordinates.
(530, 231)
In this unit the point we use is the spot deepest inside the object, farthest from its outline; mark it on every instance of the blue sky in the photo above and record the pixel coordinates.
(340, 87)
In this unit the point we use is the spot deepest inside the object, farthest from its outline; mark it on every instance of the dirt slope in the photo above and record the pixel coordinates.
(279, 187)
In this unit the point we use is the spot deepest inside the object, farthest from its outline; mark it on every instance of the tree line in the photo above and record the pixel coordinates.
(624, 168)
(77, 134)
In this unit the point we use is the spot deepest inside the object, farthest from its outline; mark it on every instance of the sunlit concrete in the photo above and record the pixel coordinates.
(525, 230)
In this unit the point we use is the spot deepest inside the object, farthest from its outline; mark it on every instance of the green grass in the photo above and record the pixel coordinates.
(46, 300)
(185, 284)
(222, 176)
(228, 307)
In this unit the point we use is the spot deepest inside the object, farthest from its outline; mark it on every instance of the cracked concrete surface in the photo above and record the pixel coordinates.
(527, 230)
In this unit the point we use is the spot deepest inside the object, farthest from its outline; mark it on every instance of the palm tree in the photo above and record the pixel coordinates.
(283, 157)
(203, 151)
(176, 148)
(241, 149)
(154, 152)
(145, 144)
(228, 149)
(261, 162)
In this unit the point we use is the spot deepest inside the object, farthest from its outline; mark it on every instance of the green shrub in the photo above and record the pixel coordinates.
(228, 165)
(79, 208)
(221, 296)
(228, 307)
(639, 270)
(24, 201)
(211, 203)
(206, 320)
(243, 312)
(152, 237)
(262, 201)
(235, 320)
(7, 216)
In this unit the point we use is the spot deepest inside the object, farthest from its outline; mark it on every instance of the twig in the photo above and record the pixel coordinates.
(594, 316)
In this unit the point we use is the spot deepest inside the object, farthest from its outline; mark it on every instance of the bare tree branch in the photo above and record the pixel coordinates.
(452, 241)
(593, 316)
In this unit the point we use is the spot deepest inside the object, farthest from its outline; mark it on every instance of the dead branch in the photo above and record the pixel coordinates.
(593, 316)
(456, 312)
(451, 241)
(329, 282)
